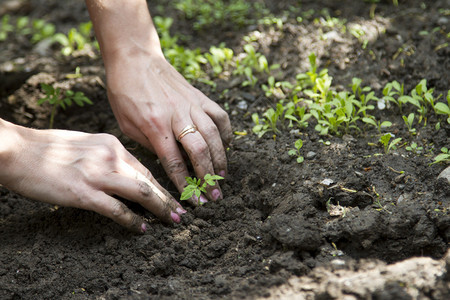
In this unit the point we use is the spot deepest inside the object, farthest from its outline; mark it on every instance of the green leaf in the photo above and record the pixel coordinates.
(298, 144)
(442, 108)
(369, 121)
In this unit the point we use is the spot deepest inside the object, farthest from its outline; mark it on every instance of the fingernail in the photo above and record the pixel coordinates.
(222, 173)
(143, 227)
(181, 211)
(203, 199)
(175, 217)
(215, 194)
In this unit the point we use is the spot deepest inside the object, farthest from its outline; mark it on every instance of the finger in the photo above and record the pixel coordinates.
(145, 192)
(199, 154)
(170, 156)
(118, 212)
(220, 118)
(211, 135)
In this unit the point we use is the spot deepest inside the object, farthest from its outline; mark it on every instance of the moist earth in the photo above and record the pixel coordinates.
(347, 223)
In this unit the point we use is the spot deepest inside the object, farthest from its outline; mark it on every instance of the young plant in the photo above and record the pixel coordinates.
(269, 122)
(57, 99)
(5, 28)
(197, 186)
(385, 140)
(377, 124)
(443, 157)
(414, 148)
(409, 123)
(443, 109)
(76, 39)
(296, 152)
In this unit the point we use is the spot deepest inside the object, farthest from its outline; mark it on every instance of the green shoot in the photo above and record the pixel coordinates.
(5, 28)
(414, 148)
(443, 157)
(379, 125)
(197, 186)
(409, 123)
(56, 98)
(296, 152)
(385, 141)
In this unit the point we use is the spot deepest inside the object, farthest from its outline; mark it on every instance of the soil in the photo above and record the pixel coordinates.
(344, 224)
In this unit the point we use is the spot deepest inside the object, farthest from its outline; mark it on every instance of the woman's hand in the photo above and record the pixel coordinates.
(82, 170)
(152, 102)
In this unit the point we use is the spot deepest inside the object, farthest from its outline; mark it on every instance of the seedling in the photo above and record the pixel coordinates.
(409, 123)
(296, 152)
(385, 141)
(443, 109)
(414, 148)
(76, 39)
(443, 157)
(269, 122)
(5, 28)
(377, 124)
(57, 99)
(197, 186)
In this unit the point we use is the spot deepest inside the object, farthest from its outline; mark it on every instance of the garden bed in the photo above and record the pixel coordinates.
(350, 211)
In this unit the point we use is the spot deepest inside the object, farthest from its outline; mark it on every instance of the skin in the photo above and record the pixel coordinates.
(152, 102)
(77, 169)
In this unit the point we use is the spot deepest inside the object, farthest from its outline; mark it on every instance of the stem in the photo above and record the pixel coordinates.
(52, 116)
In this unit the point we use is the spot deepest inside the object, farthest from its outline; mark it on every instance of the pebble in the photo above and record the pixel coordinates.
(442, 21)
(311, 154)
(242, 105)
(327, 181)
(445, 174)
(403, 198)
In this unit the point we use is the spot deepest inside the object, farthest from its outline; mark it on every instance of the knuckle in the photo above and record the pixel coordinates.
(118, 209)
(145, 190)
(210, 130)
(222, 116)
(200, 148)
(174, 166)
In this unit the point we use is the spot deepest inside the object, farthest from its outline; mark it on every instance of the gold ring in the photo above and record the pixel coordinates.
(186, 130)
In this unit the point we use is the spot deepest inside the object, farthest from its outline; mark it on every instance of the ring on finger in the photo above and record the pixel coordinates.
(186, 130)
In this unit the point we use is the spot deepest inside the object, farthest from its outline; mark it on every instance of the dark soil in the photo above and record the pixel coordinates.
(276, 220)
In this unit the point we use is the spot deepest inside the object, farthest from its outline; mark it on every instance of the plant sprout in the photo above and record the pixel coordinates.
(197, 186)
(56, 98)
(296, 152)
(385, 141)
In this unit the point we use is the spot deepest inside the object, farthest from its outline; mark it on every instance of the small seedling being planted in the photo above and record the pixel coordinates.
(198, 186)
(385, 141)
(296, 152)
(56, 98)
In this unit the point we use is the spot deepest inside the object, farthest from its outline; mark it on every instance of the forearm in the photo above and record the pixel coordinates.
(124, 29)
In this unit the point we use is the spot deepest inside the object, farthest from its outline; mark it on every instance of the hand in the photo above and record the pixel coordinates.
(153, 103)
(83, 170)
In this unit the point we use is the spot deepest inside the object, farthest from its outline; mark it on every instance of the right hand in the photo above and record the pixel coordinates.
(76, 169)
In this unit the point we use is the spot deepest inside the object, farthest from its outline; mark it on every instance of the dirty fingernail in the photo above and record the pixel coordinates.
(181, 211)
(175, 217)
(215, 194)
(143, 227)
(203, 199)
(222, 173)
